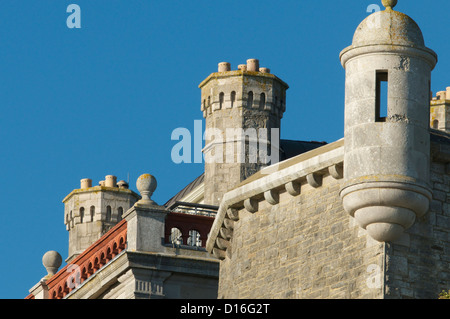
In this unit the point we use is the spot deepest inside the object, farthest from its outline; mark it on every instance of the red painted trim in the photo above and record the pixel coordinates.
(185, 223)
(88, 262)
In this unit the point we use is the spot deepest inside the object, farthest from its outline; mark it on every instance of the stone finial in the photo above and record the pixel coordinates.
(52, 261)
(146, 185)
(389, 4)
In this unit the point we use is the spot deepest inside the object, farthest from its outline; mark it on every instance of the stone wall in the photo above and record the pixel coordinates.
(418, 265)
(89, 213)
(307, 246)
(304, 247)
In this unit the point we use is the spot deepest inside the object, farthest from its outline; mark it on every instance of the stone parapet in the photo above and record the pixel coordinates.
(291, 175)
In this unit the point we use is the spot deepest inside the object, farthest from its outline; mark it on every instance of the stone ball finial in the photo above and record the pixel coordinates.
(146, 185)
(52, 261)
(389, 4)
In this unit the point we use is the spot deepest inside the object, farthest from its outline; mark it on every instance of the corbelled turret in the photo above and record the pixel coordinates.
(387, 142)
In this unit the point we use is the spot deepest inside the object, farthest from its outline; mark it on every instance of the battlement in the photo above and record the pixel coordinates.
(90, 211)
(252, 65)
(441, 96)
(105, 202)
(439, 110)
(250, 86)
(109, 181)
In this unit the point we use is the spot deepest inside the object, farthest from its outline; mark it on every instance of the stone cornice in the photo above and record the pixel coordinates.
(308, 168)
(217, 75)
(99, 189)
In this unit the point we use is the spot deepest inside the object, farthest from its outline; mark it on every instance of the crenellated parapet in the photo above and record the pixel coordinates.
(251, 101)
(250, 86)
(440, 110)
(90, 211)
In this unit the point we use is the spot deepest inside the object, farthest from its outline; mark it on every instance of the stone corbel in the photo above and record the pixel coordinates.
(228, 223)
(219, 253)
(226, 233)
(272, 197)
(233, 214)
(222, 243)
(251, 205)
(293, 188)
(336, 171)
(314, 179)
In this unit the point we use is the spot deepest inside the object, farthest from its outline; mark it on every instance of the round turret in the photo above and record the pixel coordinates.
(387, 143)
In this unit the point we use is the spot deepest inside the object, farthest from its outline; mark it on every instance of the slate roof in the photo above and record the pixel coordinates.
(288, 149)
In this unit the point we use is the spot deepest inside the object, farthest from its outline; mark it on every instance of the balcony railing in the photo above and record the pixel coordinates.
(194, 209)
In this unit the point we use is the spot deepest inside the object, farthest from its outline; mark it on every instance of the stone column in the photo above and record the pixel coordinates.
(146, 219)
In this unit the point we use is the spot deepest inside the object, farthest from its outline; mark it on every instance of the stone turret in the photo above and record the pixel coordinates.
(243, 109)
(387, 142)
(90, 211)
(440, 110)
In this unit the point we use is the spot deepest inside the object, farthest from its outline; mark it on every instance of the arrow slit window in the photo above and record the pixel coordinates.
(382, 88)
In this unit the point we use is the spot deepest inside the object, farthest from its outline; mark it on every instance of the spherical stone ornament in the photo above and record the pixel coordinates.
(146, 185)
(389, 4)
(52, 261)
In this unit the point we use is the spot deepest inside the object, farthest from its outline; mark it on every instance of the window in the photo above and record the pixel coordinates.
(194, 238)
(221, 96)
(175, 236)
(81, 214)
(381, 99)
(436, 124)
(92, 212)
(233, 98)
(108, 213)
(119, 214)
(250, 99)
(262, 101)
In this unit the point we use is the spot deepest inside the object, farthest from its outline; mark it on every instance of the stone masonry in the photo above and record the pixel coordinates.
(235, 105)
(417, 266)
(305, 247)
(367, 216)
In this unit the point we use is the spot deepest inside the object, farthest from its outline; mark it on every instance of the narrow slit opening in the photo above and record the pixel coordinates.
(382, 96)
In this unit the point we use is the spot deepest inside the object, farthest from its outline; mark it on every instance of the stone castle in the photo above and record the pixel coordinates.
(367, 216)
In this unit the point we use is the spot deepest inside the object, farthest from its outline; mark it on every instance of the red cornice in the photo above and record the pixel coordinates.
(88, 262)
(111, 244)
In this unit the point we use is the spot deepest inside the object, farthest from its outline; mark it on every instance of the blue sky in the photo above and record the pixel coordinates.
(105, 98)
